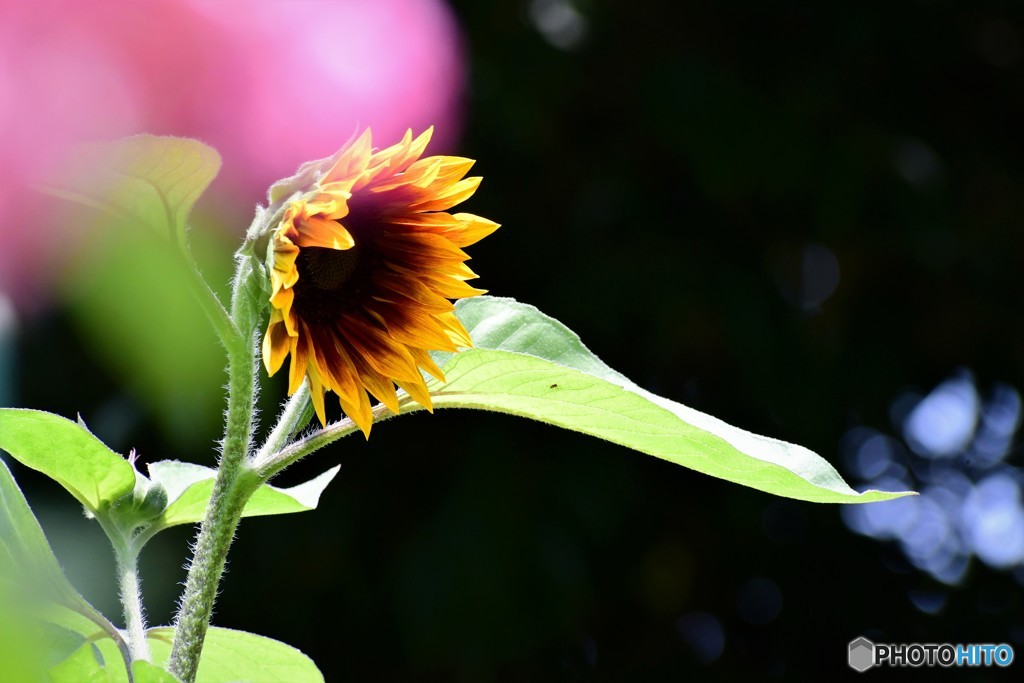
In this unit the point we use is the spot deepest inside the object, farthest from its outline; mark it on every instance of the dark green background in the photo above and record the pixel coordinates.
(656, 187)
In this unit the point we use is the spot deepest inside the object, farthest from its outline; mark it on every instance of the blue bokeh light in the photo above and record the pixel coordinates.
(970, 502)
(942, 424)
(704, 634)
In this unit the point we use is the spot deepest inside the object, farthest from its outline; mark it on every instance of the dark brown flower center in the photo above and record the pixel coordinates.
(331, 282)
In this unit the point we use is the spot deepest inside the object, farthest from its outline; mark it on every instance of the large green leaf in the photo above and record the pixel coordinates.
(87, 665)
(26, 560)
(189, 487)
(67, 452)
(526, 363)
(22, 654)
(34, 590)
(98, 660)
(230, 656)
(148, 179)
(128, 295)
(144, 672)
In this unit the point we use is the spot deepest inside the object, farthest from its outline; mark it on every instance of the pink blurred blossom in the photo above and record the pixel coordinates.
(269, 83)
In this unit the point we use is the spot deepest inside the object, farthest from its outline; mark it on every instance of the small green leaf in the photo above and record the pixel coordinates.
(148, 179)
(230, 656)
(67, 452)
(526, 363)
(189, 487)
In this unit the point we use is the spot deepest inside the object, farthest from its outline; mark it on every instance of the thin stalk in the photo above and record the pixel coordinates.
(131, 601)
(272, 463)
(295, 415)
(126, 561)
(233, 486)
(222, 323)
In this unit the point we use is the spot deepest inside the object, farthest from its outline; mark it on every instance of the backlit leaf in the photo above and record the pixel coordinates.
(526, 363)
(230, 656)
(68, 453)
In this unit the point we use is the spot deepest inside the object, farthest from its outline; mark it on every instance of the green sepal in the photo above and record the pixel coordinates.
(147, 502)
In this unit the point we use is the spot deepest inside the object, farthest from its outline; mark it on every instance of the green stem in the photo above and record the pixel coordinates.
(131, 600)
(273, 462)
(126, 560)
(222, 323)
(295, 415)
(204, 574)
(235, 483)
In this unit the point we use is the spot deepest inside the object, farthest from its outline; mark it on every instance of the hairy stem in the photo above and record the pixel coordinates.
(204, 576)
(210, 304)
(222, 323)
(272, 462)
(131, 601)
(232, 488)
(295, 415)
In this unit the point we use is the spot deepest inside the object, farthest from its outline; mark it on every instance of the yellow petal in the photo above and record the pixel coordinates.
(471, 229)
(298, 370)
(454, 328)
(359, 412)
(352, 161)
(424, 360)
(418, 392)
(276, 344)
(456, 194)
(317, 231)
(316, 395)
(381, 388)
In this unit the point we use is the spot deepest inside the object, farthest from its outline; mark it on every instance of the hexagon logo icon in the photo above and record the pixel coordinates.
(861, 654)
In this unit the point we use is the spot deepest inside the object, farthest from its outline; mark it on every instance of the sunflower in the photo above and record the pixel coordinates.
(363, 267)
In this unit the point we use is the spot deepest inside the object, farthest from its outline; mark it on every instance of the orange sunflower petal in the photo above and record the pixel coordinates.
(316, 393)
(456, 194)
(300, 359)
(318, 231)
(276, 343)
(351, 162)
(427, 363)
(418, 392)
(363, 269)
(471, 229)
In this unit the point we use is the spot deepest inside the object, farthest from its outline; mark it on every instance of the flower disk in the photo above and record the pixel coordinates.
(363, 267)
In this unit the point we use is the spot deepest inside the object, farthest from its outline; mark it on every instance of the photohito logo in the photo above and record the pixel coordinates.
(863, 654)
